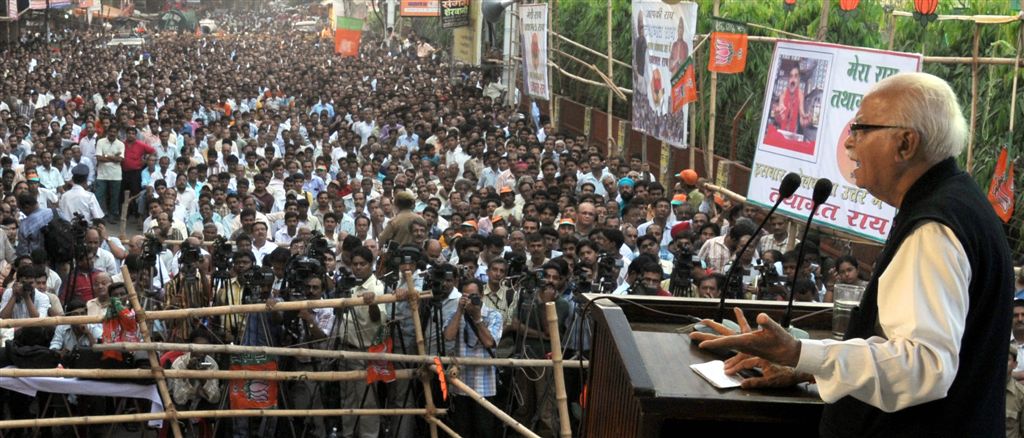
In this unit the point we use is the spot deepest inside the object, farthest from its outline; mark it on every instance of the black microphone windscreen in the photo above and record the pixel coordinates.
(790, 183)
(822, 190)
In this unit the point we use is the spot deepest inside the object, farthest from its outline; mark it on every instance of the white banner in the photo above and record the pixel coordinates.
(812, 96)
(662, 41)
(535, 49)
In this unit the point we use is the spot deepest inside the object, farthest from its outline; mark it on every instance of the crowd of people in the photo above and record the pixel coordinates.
(261, 167)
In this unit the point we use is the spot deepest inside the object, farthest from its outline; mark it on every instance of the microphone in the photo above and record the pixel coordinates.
(822, 190)
(786, 189)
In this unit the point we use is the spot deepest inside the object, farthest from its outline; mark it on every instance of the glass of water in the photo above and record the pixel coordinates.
(845, 297)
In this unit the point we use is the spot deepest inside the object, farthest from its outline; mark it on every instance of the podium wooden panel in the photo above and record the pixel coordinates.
(641, 385)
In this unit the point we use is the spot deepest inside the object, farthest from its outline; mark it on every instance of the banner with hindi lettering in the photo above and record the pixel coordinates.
(419, 8)
(454, 13)
(812, 95)
(662, 43)
(535, 45)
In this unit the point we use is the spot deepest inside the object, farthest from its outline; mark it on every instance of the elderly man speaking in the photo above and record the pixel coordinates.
(923, 355)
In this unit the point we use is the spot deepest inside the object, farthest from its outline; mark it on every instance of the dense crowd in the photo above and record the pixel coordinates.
(261, 167)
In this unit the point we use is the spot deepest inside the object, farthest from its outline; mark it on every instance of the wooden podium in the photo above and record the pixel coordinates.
(641, 384)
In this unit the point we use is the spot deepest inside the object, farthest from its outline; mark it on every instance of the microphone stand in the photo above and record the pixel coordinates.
(799, 264)
(736, 260)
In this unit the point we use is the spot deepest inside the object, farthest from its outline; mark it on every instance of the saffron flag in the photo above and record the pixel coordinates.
(728, 47)
(252, 393)
(347, 35)
(684, 86)
(1000, 190)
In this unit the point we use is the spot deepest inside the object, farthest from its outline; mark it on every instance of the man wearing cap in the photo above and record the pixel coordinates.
(45, 197)
(78, 199)
(508, 209)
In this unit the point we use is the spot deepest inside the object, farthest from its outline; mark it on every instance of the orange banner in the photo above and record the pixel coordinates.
(728, 52)
(346, 42)
(1000, 191)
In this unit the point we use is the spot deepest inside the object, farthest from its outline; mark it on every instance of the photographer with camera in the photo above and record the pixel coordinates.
(21, 300)
(474, 329)
(358, 329)
(536, 384)
(196, 393)
(318, 324)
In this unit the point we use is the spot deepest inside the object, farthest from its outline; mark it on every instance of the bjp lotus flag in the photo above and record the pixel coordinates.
(684, 86)
(1000, 190)
(347, 35)
(728, 47)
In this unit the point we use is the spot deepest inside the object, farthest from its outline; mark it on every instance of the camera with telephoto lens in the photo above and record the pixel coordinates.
(476, 300)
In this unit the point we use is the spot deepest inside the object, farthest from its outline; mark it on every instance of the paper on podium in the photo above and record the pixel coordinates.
(714, 373)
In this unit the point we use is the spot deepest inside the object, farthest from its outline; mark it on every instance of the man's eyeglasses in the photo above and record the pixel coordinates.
(857, 129)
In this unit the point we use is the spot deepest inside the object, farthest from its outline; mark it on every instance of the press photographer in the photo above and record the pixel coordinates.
(474, 329)
(360, 327)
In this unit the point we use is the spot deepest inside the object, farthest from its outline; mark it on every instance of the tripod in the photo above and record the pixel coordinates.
(188, 288)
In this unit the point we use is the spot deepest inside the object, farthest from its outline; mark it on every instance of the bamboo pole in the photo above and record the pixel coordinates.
(589, 50)
(1016, 74)
(440, 424)
(326, 354)
(421, 349)
(156, 369)
(604, 77)
(556, 357)
(228, 413)
(319, 376)
(974, 99)
(200, 312)
(709, 149)
(823, 20)
(505, 418)
(611, 77)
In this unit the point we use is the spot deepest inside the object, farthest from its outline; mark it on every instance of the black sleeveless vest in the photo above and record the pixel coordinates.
(974, 405)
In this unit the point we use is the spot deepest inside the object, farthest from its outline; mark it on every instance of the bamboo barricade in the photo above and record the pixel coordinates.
(155, 367)
(228, 413)
(327, 354)
(421, 349)
(200, 312)
(505, 418)
(440, 424)
(142, 373)
(556, 361)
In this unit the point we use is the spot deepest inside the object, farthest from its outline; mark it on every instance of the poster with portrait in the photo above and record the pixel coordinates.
(812, 95)
(535, 46)
(662, 42)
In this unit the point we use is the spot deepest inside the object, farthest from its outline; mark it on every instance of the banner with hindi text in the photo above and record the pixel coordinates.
(454, 13)
(812, 95)
(662, 44)
(535, 45)
(419, 8)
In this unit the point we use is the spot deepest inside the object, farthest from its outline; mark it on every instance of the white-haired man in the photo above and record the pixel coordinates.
(923, 355)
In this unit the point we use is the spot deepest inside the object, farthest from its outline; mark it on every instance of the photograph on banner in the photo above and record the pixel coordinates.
(454, 13)
(419, 8)
(795, 105)
(535, 35)
(812, 95)
(662, 43)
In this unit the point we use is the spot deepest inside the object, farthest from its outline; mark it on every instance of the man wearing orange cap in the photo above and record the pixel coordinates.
(508, 209)
(693, 194)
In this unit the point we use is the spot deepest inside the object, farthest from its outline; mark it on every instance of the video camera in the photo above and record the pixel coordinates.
(681, 280)
(190, 254)
(223, 254)
(151, 249)
(435, 278)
